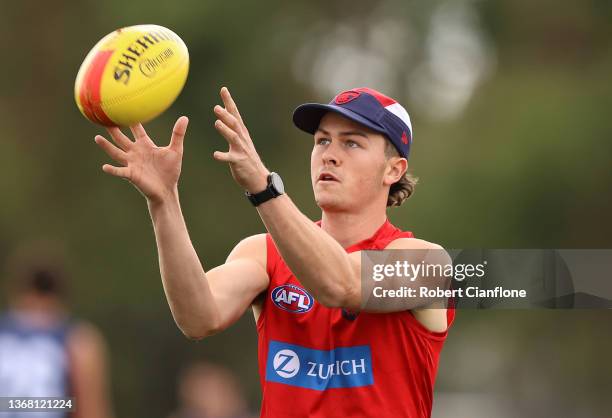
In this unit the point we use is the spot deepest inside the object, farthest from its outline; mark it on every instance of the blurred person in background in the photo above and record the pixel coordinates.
(207, 390)
(321, 352)
(44, 351)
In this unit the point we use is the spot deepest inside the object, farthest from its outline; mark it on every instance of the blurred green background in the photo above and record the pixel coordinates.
(510, 103)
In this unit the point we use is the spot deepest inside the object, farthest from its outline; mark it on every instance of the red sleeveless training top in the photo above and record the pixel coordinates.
(322, 362)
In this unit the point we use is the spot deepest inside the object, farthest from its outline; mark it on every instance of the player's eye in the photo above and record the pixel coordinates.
(322, 141)
(352, 144)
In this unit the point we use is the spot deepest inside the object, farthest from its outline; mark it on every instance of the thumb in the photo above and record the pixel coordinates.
(225, 157)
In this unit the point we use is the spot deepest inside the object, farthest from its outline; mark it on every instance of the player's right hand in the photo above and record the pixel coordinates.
(153, 170)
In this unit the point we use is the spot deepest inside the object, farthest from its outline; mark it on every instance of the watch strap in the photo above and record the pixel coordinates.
(268, 193)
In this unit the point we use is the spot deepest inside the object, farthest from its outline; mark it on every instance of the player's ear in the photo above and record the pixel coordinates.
(395, 169)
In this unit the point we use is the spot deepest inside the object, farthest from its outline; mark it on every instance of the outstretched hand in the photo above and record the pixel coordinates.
(247, 168)
(153, 170)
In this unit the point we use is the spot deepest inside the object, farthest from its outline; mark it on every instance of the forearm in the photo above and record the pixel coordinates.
(183, 277)
(319, 261)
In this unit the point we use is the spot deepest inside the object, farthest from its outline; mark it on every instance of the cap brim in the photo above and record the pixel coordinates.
(307, 117)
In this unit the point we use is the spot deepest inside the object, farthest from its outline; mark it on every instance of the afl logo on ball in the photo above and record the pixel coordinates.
(347, 96)
(292, 298)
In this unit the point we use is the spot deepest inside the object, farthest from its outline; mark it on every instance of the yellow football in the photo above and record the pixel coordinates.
(131, 75)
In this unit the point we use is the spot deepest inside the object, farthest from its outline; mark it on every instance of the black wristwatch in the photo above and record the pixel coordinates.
(274, 189)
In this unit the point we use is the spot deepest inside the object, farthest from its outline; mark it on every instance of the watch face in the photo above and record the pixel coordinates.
(277, 183)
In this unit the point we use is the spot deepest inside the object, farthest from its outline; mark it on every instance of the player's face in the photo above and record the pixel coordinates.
(347, 164)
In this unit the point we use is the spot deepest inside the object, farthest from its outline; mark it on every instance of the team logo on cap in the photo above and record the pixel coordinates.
(292, 298)
(347, 96)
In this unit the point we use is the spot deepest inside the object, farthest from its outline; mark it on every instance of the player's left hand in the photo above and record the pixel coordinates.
(247, 168)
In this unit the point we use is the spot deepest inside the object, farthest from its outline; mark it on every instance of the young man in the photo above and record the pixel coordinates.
(44, 351)
(320, 354)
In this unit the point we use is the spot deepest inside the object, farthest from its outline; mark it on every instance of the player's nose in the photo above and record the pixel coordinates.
(331, 155)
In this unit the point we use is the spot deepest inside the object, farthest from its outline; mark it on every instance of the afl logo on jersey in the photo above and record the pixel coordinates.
(292, 298)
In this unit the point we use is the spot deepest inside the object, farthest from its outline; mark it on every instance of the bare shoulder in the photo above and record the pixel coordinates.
(437, 255)
(432, 318)
(86, 333)
(252, 247)
(85, 341)
(412, 244)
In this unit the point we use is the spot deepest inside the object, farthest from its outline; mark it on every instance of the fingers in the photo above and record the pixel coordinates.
(120, 139)
(112, 151)
(140, 135)
(178, 133)
(228, 119)
(138, 131)
(229, 103)
(123, 172)
(117, 154)
(225, 157)
(229, 134)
